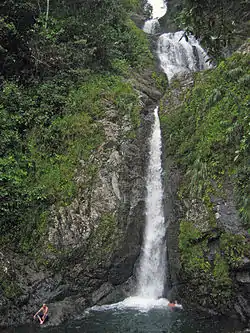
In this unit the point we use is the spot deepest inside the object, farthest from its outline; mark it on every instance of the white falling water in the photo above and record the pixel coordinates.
(177, 55)
(159, 9)
(151, 26)
(151, 275)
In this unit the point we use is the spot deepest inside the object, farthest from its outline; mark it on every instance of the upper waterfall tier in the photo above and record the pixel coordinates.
(159, 8)
(151, 26)
(178, 55)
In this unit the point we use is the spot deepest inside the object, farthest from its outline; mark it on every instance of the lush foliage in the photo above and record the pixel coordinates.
(215, 146)
(220, 24)
(234, 248)
(209, 270)
(193, 252)
(208, 134)
(59, 73)
(73, 37)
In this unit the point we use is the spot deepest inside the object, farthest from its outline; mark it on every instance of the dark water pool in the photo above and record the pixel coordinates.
(135, 321)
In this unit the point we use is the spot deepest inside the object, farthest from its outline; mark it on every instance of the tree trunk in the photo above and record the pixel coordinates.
(47, 14)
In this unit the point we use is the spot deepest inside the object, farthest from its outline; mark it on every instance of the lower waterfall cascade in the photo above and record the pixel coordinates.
(176, 55)
(151, 275)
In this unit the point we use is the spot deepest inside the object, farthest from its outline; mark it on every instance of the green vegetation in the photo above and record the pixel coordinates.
(8, 286)
(215, 145)
(193, 252)
(234, 248)
(102, 240)
(210, 273)
(61, 72)
(221, 25)
(10, 289)
(160, 80)
(221, 271)
(204, 275)
(208, 135)
(194, 248)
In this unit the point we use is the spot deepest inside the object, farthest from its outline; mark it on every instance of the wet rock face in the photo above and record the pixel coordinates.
(172, 178)
(226, 214)
(89, 250)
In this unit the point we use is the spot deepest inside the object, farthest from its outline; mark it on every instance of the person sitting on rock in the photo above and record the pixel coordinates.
(42, 314)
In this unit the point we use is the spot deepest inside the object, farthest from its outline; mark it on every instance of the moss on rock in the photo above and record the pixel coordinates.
(215, 145)
(103, 239)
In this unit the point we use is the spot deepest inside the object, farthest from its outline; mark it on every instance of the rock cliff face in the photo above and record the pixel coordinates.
(208, 241)
(89, 247)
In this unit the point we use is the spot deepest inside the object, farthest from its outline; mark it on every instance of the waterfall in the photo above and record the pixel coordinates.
(178, 55)
(159, 9)
(151, 26)
(151, 275)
